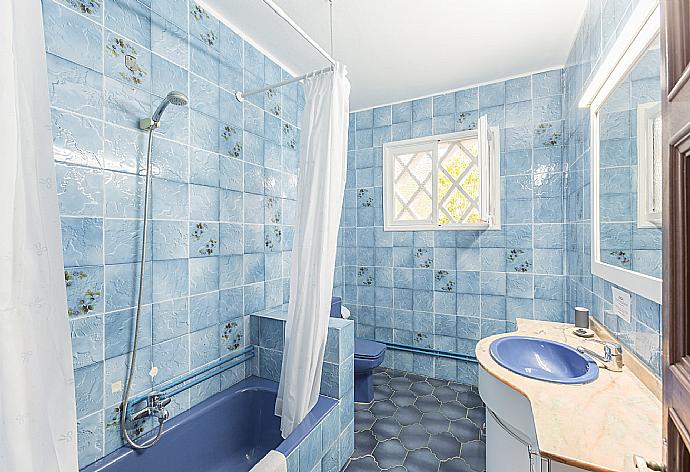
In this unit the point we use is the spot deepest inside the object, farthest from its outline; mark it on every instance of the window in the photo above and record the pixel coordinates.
(446, 182)
(649, 184)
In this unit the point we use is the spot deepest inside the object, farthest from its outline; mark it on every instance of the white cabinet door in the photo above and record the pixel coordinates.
(504, 452)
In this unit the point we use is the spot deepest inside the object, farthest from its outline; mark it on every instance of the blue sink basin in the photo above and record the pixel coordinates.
(544, 360)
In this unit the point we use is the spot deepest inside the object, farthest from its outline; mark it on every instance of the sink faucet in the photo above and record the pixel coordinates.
(612, 358)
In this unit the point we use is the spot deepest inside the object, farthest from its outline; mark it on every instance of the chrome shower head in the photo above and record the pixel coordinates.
(177, 98)
(174, 97)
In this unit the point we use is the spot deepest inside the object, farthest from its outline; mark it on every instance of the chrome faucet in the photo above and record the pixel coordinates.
(612, 358)
(155, 406)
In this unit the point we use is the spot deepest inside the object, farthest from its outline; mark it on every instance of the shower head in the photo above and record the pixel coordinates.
(174, 97)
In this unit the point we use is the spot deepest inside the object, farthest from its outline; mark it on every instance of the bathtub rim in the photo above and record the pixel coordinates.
(318, 413)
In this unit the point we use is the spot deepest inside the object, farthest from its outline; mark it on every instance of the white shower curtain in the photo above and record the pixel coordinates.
(322, 170)
(38, 430)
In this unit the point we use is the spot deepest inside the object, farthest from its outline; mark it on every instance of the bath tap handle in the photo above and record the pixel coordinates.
(141, 414)
(155, 406)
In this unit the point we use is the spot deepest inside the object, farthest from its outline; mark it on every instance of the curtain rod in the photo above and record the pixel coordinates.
(281, 13)
(241, 96)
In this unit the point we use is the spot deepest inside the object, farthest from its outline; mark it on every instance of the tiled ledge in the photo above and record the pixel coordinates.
(331, 443)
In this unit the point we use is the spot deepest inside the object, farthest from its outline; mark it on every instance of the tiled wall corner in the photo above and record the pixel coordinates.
(448, 289)
(601, 24)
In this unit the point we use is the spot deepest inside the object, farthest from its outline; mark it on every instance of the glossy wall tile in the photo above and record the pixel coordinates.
(222, 197)
(602, 22)
(448, 289)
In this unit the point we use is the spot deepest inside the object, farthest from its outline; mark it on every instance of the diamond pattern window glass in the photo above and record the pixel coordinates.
(458, 182)
(413, 186)
(443, 182)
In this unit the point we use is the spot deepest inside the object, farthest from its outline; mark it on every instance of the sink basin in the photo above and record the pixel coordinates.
(544, 360)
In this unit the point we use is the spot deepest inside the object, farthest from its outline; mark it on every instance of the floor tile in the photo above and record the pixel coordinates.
(419, 424)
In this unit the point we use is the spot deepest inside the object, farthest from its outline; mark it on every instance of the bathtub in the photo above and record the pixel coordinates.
(231, 431)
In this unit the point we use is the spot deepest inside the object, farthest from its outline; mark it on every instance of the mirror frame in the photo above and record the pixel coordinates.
(641, 30)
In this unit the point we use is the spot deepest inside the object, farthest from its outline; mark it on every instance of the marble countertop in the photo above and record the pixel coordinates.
(596, 426)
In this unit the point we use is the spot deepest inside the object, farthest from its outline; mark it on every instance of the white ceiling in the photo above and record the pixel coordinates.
(401, 49)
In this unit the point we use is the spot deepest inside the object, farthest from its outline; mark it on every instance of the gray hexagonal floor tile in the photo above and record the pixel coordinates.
(456, 464)
(382, 392)
(474, 453)
(427, 403)
(364, 420)
(435, 422)
(446, 436)
(444, 446)
(390, 453)
(464, 430)
(445, 394)
(364, 464)
(437, 382)
(386, 428)
(422, 388)
(403, 398)
(454, 410)
(477, 416)
(400, 383)
(470, 399)
(365, 442)
(407, 415)
(383, 408)
(381, 378)
(414, 436)
(421, 460)
(460, 388)
(415, 377)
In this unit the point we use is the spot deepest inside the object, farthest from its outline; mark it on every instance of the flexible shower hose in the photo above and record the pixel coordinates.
(137, 316)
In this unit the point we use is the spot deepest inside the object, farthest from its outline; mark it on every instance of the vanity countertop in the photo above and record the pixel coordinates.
(596, 426)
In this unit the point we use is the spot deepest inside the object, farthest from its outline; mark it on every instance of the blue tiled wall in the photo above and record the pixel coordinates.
(601, 24)
(328, 447)
(448, 289)
(223, 191)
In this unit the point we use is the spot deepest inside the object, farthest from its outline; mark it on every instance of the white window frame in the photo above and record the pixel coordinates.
(489, 178)
(647, 216)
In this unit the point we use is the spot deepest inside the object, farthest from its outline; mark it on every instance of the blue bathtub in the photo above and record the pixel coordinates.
(231, 431)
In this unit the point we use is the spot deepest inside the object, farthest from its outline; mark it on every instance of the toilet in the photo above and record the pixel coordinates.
(368, 356)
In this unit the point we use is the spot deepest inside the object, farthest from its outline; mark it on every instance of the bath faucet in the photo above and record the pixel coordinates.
(612, 358)
(155, 406)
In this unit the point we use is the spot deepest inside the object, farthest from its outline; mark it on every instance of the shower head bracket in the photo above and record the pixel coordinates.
(239, 97)
(147, 123)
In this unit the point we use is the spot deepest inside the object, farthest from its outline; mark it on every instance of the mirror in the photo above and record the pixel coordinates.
(626, 178)
(630, 169)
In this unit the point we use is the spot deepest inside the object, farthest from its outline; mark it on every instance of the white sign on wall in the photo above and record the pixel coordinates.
(621, 303)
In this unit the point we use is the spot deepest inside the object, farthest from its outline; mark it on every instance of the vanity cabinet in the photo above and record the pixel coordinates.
(511, 438)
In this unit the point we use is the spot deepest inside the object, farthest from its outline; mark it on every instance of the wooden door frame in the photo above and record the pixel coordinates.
(675, 34)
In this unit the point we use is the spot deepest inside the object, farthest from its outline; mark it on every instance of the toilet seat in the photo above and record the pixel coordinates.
(366, 349)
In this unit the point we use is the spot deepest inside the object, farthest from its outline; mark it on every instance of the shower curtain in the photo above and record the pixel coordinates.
(322, 170)
(38, 430)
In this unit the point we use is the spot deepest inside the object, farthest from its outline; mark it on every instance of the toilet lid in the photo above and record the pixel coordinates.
(366, 349)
